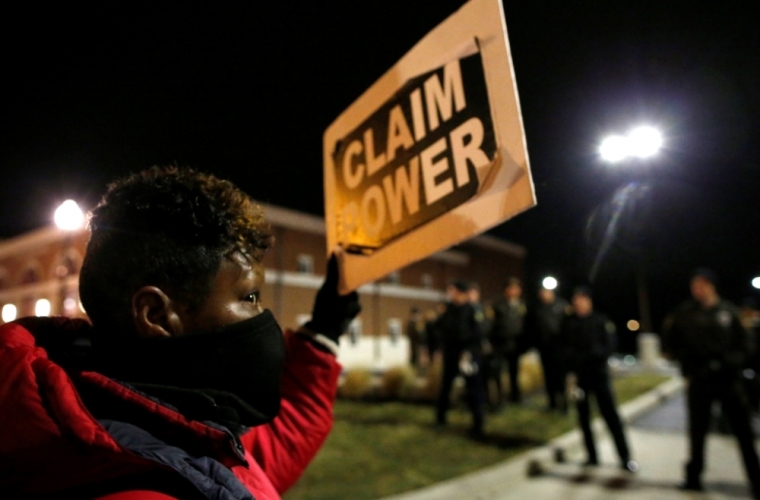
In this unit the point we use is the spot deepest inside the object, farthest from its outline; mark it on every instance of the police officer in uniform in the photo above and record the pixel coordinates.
(461, 342)
(588, 340)
(507, 339)
(706, 336)
(545, 327)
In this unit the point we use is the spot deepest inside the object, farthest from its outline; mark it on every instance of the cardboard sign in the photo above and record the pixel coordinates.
(432, 154)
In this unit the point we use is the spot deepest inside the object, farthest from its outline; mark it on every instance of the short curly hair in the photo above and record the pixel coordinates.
(168, 227)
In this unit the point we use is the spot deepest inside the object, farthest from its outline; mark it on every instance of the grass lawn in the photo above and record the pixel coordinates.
(379, 449)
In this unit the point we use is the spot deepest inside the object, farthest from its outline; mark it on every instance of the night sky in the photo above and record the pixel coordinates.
(247, 91)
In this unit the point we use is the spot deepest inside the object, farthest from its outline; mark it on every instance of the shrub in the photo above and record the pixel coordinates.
(399, 382)
(357, 384)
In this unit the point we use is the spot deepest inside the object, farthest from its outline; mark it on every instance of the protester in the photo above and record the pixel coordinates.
(707, 338)
(461, 341)
(183, 386)
(587, 335)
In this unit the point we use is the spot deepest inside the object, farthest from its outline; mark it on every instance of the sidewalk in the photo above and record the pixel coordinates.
(658, 442)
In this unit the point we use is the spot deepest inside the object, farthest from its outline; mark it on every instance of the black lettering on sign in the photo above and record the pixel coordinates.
(415, 158)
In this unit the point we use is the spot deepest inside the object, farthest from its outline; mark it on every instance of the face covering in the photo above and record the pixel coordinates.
(237, 367)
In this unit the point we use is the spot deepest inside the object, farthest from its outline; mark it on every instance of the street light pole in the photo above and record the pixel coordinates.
(643, 143)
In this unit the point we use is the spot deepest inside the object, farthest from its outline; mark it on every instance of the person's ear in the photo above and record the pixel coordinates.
(155, 314)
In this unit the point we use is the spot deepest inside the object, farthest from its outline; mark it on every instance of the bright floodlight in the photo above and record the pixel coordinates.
(756, 282)
(614, 148)
(9, 312)
(644, 142)
(42, 307)
(550, 283)
(69, 216)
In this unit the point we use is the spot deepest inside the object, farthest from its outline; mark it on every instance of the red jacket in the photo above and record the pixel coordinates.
(50, 442)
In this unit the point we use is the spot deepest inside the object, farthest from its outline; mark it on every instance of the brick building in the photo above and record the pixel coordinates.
(39, 275)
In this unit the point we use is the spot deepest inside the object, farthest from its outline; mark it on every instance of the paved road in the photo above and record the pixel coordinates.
(657, 436)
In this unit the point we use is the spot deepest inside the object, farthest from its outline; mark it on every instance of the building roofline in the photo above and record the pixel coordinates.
(279, 216)
(292, 219)
(34, 238)
(494, 243)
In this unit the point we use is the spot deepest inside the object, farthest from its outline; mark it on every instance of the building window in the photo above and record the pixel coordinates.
(394, 329)
(394, 278)
(427, 281)
(355, 331)
(305, 263)
(9, 313)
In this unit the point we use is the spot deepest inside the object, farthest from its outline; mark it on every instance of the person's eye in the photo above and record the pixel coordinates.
(252, 297)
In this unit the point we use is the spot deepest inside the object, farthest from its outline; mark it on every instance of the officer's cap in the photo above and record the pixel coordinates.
(706, 274)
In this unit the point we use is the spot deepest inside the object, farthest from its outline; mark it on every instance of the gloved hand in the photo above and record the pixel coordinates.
(332, 312)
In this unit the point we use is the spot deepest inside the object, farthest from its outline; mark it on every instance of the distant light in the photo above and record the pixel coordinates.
(70, 304)
(644, 142)
(633, 325)
(641, 142)
(756, 282)
(68, 216)
(550, 283)
(629, 360)
(9, 312)
(42, 307)
(614, 148)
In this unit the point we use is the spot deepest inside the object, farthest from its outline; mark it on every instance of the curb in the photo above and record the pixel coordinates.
(490, 481)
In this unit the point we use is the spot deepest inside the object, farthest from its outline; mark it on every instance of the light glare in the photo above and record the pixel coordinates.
(550, 283)
(9, 312)
(641, 142)
(633, 325)
(644, 142)
(614, 148)
(69, 216)
(756, 282)
(42, 307)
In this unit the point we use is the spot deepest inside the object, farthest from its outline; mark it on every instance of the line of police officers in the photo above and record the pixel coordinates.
(704, 334)
(573, 340)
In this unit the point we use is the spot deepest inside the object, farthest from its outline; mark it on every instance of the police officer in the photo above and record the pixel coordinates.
(545, 323)
(706, 336)
(588, 338)
(506, 338)
(461, 342)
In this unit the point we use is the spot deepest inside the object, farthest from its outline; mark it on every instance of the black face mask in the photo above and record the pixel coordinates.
(237, 367)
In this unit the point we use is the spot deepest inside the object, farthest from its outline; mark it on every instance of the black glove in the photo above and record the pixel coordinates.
(332, 312)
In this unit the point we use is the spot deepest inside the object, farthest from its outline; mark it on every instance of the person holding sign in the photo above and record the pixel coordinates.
(183, 386)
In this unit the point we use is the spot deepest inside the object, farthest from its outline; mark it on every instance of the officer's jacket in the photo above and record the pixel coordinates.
(589, 342)
(508, 323)
(706, 341)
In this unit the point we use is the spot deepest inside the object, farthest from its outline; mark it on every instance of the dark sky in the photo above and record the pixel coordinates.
(247, 91)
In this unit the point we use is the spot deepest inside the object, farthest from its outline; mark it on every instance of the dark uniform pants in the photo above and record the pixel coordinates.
(598, 384)
(474, 385)
(554, 379)
(702, 391)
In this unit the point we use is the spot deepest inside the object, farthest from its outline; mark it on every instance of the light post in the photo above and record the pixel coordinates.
(640, 143)
(69, 218)
(550, 283)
